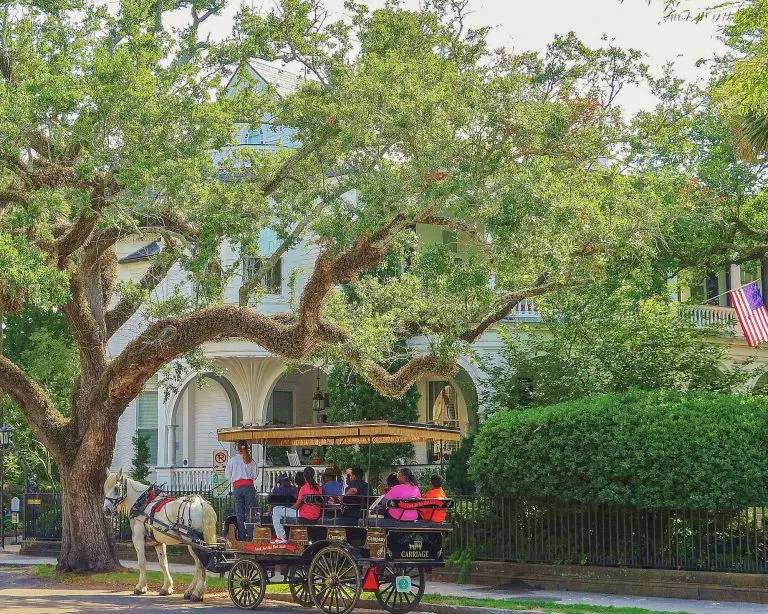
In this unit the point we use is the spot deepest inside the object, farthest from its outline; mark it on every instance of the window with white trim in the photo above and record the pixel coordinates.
(146, 421)
(272, 282)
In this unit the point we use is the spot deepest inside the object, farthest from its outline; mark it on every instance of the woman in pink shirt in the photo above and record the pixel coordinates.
(405, 489)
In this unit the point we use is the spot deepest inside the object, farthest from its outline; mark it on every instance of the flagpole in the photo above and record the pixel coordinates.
(727, 291)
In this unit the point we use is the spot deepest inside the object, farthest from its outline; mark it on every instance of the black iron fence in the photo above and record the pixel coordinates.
(503, 529)
(42, 515)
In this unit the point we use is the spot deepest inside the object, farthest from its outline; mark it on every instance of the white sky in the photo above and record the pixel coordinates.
(523, 25)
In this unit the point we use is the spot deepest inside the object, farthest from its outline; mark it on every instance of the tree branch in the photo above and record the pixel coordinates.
(165, 340)
(35, 404)
(82, 226)
(301, 154)
(288, 242)
(128, 305)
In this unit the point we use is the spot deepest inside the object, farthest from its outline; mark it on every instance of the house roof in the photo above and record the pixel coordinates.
(145, 253)
(284, 81)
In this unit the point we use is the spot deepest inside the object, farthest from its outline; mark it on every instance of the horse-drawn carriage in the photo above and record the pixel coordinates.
(354, 546)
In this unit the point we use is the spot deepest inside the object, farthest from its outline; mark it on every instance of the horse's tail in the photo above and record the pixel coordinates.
(209, 522)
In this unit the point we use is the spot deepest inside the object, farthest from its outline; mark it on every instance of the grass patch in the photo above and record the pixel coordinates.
(126, 580)
(545, 607)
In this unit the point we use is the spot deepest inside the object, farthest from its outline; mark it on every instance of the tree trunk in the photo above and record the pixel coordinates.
(87, 543)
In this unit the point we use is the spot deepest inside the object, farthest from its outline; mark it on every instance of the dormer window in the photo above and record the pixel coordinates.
(255, 136)
(272, 282)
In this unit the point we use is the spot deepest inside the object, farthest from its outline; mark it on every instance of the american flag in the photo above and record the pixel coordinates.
(751, 312)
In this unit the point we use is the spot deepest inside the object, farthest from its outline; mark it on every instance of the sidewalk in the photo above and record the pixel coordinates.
(11, 557)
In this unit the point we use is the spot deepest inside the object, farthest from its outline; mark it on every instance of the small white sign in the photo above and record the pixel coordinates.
(15, 504)
(220, 459)
(15, 517)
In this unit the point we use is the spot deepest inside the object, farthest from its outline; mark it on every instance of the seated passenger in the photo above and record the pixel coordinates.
(405, 489)
(300, 509)
(284, 487)
(391, 482)
(356, 487)
(356, 484)
(332, 485)
(436, 492)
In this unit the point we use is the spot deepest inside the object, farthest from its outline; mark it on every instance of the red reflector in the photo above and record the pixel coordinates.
(371, 582)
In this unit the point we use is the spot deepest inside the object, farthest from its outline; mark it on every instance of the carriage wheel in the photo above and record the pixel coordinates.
(388, 596)
(247, 584)
(297, 583)
(334, 580)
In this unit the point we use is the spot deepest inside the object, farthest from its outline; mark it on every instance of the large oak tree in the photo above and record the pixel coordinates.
(107, 123)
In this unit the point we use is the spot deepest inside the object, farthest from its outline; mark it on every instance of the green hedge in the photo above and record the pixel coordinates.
(658, 449)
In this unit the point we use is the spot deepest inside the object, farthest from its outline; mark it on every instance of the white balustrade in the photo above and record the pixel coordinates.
(712, 316)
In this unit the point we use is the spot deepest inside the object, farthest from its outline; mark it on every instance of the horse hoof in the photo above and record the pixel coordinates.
(195, 598)
(187, 596)
(139, 591)
(165, 592)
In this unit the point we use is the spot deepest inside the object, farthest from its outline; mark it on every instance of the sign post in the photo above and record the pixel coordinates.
(219, 482)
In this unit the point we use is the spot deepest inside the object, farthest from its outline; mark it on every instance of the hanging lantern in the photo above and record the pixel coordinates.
(320, 400)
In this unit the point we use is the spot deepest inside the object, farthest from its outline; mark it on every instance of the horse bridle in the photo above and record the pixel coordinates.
(122, 492)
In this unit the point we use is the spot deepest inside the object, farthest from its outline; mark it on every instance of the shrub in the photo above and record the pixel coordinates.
(456, 471)
(646, 449)
(141, 456)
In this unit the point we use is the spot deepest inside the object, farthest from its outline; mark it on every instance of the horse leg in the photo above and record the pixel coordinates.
(138, 543)
(197, 586)
(167, 588)
(192, 588)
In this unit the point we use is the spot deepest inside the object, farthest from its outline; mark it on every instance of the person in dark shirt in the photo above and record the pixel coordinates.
(284, 487)
(357, 489)
(356, 484)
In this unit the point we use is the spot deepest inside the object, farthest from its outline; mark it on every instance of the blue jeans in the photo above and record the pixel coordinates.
(278, 514)
(245, 499)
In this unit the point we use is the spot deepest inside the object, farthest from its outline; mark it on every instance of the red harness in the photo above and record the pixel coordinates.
(159, 506)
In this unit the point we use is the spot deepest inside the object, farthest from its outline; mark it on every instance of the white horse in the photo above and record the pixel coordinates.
(192, 512)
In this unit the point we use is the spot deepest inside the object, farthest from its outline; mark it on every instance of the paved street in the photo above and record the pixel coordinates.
(20, 593)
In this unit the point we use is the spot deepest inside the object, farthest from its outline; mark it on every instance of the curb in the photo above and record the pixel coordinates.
(435, 608)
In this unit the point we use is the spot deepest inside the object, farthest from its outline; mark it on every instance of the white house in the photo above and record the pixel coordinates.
(251, 386)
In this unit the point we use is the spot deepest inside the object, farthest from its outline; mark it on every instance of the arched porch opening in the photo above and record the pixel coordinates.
(204, 404)
(447, 401)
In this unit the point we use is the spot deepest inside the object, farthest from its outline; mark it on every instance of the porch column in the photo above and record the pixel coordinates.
(734, 280)
(764, 279)
(170, 445)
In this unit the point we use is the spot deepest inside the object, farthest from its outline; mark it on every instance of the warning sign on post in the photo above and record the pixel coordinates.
(220, 459)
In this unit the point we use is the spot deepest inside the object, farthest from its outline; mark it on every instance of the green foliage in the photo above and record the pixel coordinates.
(463, 561)
(611, 337)
(353, 399)
(140, 460)
(38, 340)
(645, 449)
(458, 480)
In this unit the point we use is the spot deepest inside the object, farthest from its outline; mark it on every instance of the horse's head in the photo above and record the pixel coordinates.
(115, 492)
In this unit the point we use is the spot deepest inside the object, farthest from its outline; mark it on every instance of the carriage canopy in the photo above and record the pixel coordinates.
(347, 434)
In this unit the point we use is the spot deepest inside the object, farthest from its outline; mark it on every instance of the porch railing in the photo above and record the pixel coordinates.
(198, 479)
